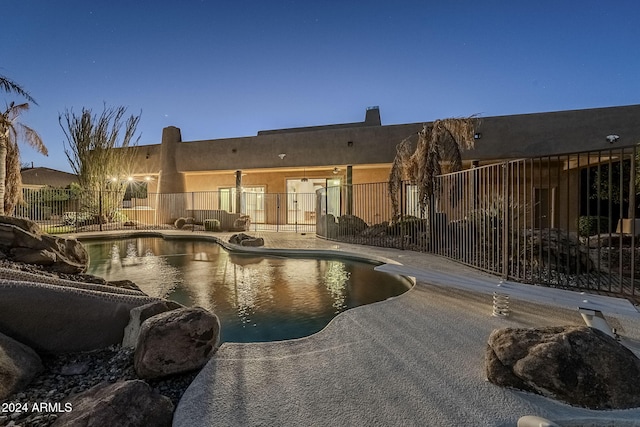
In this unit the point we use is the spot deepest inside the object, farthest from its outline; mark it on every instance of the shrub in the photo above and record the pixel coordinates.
(180, 222)
(212, 225)
(591, 225)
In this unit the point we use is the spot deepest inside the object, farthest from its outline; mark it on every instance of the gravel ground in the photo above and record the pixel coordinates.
(72, 373)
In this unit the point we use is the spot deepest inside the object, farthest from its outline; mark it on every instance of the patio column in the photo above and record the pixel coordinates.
(349, 192)
(238, 191)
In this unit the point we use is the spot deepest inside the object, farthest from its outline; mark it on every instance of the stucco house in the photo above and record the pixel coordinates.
(273, 176)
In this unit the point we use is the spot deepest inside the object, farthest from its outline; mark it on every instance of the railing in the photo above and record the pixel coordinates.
(64, 211)
(569, 220)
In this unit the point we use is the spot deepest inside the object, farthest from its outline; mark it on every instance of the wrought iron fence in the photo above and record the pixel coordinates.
(61, 211)
(569, 220)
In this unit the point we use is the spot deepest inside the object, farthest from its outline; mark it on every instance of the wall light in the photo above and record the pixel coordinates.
(282, 156)
(612, 138)
(477, 135)
(335, 171)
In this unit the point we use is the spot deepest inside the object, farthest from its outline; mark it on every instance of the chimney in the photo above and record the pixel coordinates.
(372, 117)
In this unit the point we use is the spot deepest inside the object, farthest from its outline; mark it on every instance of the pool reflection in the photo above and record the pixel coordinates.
(256, 298)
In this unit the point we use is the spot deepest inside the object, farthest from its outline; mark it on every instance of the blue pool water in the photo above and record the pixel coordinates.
(257, 298)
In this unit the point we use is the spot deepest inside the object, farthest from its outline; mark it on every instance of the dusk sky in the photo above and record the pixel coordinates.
(219, 69)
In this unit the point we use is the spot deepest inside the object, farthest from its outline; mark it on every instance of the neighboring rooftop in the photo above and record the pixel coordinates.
(43, 177)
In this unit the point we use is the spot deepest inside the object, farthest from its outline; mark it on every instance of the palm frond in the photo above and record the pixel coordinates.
(439, 149)
(10, 86)
(32, 138)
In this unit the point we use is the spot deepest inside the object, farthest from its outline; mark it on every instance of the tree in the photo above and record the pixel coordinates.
(438, 150)
(12, 131)
(99, 150)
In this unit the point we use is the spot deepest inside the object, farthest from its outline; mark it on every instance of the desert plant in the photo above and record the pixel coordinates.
(438, 150)
(100, 150)
(212, 225)
(179, 223)
(592, 225)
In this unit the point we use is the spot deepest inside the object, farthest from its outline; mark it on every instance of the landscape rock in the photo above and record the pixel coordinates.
(176, 341)
(579, 365)
(124, 403)
(22, 241)
(59, 319)
(139, 314)
(243, 239)
(19, 365)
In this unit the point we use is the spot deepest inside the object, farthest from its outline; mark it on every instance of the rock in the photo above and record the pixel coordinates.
(176, 341)
(22, 241)
(58, 319)
(246, 240)
(255, 242)
(139, 314)
(22, 223)
(579, 365)
(74, 368)
(124, 403)
(19, 364)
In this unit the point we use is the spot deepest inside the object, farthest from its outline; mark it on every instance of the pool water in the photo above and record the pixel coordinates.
(257, 298)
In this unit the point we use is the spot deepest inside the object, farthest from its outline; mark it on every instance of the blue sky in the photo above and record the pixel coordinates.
(220, 69)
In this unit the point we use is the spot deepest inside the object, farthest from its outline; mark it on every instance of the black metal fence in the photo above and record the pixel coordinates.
(59, 211)
(569, 220)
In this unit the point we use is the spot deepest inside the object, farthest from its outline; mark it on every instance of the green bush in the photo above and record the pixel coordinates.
(591, 225)
(180, 222)
(212, 225)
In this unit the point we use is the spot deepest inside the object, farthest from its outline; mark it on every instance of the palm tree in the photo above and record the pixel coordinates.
(11, 131)
(439, 150)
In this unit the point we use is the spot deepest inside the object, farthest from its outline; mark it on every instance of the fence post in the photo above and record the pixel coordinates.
(505, 220)
(402, 190)
(100, 209)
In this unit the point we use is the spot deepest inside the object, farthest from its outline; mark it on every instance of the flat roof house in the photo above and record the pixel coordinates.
(301, 160)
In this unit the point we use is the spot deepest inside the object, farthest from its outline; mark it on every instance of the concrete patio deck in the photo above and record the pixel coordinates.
(414, 360)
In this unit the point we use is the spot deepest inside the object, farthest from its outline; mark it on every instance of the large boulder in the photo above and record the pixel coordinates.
(124, 403)
(138, 315)
(22, 241)
(18, 366)
(246, 240)
(176, 341)
(59, 319)
(579, 365)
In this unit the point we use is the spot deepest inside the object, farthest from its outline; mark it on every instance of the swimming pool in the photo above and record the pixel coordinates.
(257, 298)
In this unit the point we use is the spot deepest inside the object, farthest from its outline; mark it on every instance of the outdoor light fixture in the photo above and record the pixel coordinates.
(477, 135)
(304, 177)
(612, 138)
(281, 155)
(335, 171)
